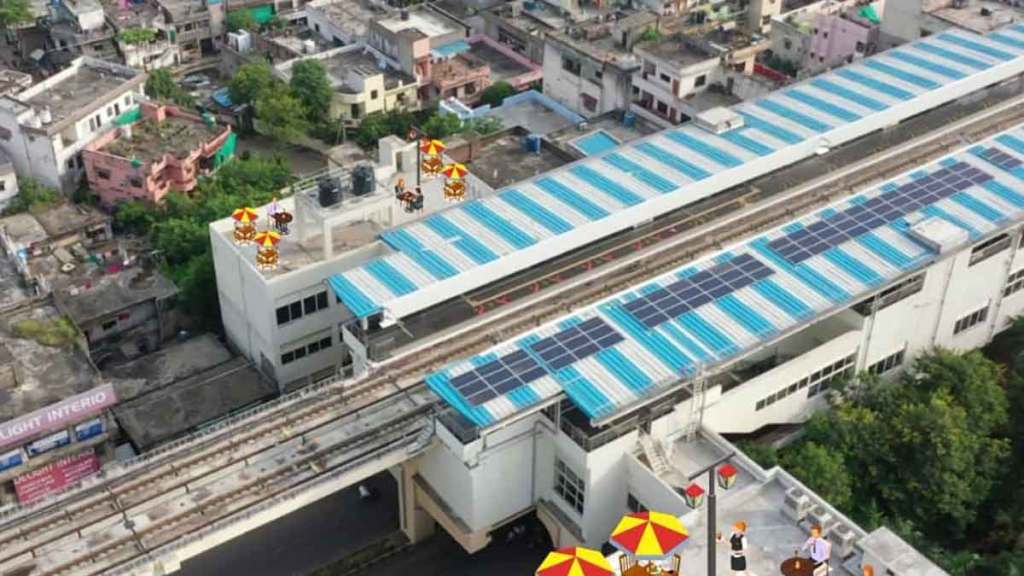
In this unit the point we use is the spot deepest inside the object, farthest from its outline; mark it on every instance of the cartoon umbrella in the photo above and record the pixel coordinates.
(245, 215)
(649, 535)
(575, 562)
(267, 239)
(432, 147)
(455, 171)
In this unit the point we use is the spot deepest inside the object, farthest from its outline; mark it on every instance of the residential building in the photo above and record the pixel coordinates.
(343, 22)
(523, 26)
(166, 149)
(416, 39)
(908, 20)
(681, 76)
(364, 81)
(122, 314)
(760, 14)
(13, 81)
(130, 18)
(813, 41)
(45, 127)
(8, 180)
(193, 25)
(590, 67)
(76, 28)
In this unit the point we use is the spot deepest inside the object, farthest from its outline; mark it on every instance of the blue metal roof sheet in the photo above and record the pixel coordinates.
(856, 245)
(537, 211)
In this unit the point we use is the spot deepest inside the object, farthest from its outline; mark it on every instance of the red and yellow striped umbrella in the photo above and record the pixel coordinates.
(455, 171)
(649, 535)
(267, 238)
(245, 215)
(431, 147)
(575, 562)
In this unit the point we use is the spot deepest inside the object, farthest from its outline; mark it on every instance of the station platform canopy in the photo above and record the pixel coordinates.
(638, 343)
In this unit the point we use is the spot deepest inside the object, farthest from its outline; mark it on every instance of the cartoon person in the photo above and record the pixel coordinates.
(868, 570)
(738, 549)
(820, 548)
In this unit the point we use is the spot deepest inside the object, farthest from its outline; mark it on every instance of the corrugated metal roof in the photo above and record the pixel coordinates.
(751, 293)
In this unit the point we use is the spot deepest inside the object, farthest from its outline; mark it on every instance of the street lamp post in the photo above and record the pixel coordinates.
(712, 509)
(415, 134)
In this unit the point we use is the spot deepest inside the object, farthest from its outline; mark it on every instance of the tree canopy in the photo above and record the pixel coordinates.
(251, 81)
(281, 115)
(240, 20)
(496, 93)
(378, 125)
(137, 36)
(161, 86)
(31, 197)
(442, 125)
(15, 12)
(310, 85)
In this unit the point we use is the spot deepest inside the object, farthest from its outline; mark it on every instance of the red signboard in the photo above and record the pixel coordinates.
(55, 476)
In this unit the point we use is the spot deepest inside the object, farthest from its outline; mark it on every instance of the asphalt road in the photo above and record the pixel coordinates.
(306, 539)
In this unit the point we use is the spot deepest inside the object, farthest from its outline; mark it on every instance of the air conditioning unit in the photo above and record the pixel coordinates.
(842, 538)
(820, 516)
(797, 504)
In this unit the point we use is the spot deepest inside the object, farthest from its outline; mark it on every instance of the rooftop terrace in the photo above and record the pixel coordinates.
(502, 67)
(150, 141)
(980, 16)
(106, 293)
(353, 17)
(354, 59)
(68, 93)
(504, 160)
(124, 15)
(422, 20)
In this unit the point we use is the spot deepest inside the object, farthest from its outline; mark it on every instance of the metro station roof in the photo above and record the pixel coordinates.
(490, 237)
(640, 342)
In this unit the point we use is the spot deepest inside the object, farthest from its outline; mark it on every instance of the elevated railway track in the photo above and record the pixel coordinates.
(134, 513)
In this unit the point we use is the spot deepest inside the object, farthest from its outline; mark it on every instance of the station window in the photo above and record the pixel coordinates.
(569, 486)
(971, 320)
(989, 248)
(304, 306)
(888, 363)
(1014, 282)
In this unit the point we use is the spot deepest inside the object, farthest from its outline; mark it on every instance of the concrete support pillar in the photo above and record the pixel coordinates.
(416, 523)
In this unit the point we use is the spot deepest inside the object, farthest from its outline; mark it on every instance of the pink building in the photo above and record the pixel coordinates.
(166, 149)
(840, 39)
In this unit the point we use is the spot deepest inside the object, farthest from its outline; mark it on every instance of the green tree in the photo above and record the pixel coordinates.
(496, 93)
(32, 197)
(310, 85)
(442, 125)
(161, 86)
(15, 12)
(251, 81)
(822, 470)
(136, 36)
(240, 20)
(134, 217)
(484, 126)
(765, 455)
(378, 125)
(281, 116)
(179, 239)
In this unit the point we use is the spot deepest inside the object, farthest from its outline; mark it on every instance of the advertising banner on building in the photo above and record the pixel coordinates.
(57, 416)
(47, 443)
(55, 476)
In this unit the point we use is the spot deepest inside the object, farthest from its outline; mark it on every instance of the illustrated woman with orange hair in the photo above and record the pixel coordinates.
(868, 570)
(738, 548)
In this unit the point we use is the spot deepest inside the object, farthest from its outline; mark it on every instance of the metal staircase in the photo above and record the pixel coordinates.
(696, 405)
(654, 454)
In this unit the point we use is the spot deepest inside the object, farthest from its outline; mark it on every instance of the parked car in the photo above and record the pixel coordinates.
(195, 81)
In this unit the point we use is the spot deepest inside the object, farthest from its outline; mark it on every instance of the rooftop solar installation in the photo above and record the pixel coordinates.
(622, 350)
(573, 205)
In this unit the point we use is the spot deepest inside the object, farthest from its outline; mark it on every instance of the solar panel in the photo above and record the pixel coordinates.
(576, 343)
(497, 377)
(1001, 159)
(883, 209)
(696, 290)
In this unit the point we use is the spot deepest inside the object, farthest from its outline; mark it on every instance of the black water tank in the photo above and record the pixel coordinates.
(329, 191)
(363, 180)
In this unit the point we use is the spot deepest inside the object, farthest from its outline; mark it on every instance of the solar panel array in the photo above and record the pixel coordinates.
(576, 343)
(498, 377)
(705, 286)
(1001, 159)
(883, 209)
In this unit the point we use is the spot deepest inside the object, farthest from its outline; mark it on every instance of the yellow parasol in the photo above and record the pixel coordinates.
(575, 562)
(455, 171)
(245, 215)
(267, 239)
(431, 147)
(649, 535)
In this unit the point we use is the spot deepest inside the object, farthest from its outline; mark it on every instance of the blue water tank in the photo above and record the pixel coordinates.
(533, 143)
(629, 119)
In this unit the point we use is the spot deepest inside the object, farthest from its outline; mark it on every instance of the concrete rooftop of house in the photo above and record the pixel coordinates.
(532, 115)
(970, 17)
(67, 217)
(71, 94)
(103, 292)
(352, 16)
(540, 16)
(167, 409)
(340, 62)
(598, 39)
(47, 374)
(183, 9)
(676, 50)
(13, 81)
(422, 20)
(134, 15)
(505, 161)
(502, 67)
(150, 141)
